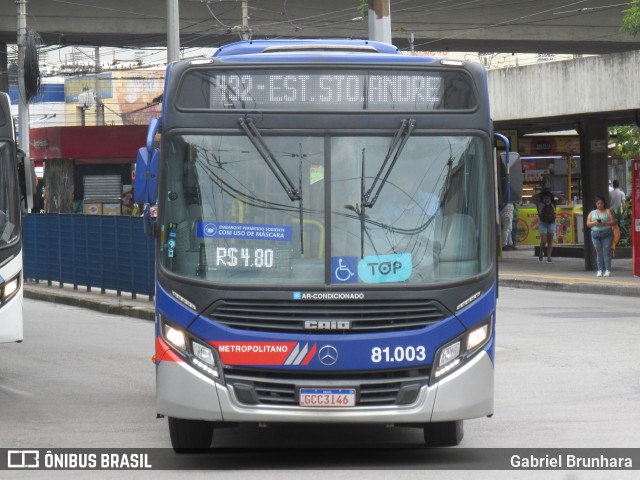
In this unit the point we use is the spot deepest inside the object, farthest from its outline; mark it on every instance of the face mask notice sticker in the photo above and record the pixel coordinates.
(244, 231)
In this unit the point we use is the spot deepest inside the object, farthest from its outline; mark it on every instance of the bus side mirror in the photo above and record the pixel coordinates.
(509, 171)
(154, 128)
(511, 165)
(146, 180)
(144, 188)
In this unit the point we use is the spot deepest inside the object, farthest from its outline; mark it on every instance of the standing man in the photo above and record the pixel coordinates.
(616, 198)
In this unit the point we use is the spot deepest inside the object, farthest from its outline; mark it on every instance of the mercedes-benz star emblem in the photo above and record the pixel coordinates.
(328, 355)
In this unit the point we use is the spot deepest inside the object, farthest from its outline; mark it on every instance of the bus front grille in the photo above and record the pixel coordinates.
(373, 389)
(327, 317)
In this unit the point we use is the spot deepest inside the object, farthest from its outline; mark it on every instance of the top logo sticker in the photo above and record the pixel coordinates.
(385, 268)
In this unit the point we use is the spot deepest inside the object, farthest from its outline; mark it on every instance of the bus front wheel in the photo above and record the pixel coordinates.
(443, 434)
(190, 435)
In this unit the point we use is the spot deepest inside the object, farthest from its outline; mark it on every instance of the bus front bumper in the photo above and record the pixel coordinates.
(183, 392)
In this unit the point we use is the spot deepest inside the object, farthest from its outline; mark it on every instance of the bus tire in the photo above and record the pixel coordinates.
(443, 434)
(190, 435)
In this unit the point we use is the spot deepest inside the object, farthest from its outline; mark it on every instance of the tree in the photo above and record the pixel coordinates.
(631, 19)
(363, 8)
(627, 147)
(627, 141)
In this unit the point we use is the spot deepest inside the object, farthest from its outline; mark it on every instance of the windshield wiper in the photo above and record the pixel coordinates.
(253, 134)
(360, 210)
(397, 144)
(272, 162)
(367, 200)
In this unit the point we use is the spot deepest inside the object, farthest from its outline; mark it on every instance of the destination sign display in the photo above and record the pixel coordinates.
(346, 90)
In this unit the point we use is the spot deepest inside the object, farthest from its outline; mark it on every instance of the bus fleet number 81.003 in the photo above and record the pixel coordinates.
(398, 354)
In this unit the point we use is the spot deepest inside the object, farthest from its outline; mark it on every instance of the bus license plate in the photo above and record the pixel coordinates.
(327, 397)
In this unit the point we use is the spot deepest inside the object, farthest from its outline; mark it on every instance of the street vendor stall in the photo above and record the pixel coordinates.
(566, 225)
(551, 163)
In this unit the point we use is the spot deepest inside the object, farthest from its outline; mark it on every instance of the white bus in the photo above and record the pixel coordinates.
(10, 231)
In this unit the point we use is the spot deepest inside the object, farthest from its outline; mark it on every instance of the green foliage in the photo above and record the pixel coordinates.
(631, 20)
(627, 141)
(624, 221)
(363, 8)
(627, 147)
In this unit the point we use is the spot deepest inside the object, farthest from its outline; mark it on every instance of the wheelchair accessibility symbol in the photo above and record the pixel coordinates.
(343, 273)
(344, 269)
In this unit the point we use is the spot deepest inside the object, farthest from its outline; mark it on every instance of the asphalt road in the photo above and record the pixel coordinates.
(567, 375)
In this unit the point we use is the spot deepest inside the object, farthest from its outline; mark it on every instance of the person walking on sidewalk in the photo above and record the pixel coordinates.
(546, 222)
(600, 222)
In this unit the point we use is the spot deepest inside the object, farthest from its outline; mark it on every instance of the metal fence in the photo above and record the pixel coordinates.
(106, 252)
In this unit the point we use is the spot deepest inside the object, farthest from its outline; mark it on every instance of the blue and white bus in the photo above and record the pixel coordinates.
(326, 239)
(10, 233)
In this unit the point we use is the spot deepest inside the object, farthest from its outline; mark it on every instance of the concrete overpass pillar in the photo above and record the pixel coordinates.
(380, 20)
(594, 140)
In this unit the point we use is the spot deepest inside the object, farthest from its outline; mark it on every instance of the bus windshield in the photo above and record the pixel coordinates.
(227, 216)
(9, 208)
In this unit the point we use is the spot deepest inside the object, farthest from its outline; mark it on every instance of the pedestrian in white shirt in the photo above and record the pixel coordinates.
(616, 198)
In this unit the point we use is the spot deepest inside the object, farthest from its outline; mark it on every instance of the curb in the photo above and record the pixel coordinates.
(578, 287)
(143, 313)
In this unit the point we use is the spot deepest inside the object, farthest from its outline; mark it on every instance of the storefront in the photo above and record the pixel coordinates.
(87, 169)
(551, 163)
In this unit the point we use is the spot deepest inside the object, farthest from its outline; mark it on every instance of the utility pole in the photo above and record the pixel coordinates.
(23, 104)
(243, 30)
(245, 35)
(98, 90)
(173, 31)
(380, 20)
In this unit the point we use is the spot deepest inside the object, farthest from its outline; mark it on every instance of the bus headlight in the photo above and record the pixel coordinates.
(9, 288)
(477, 337)
(204, 359)
(455, 353)
(449, 354)
(175, 337)
(197, 353)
